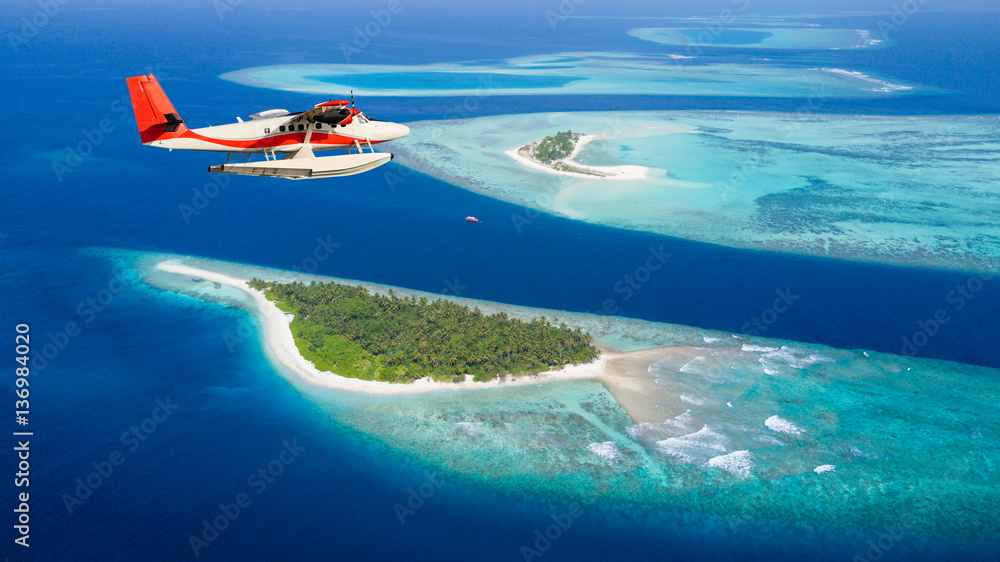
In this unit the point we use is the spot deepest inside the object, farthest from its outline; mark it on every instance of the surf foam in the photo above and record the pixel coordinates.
(738, 463)
(606, 450)
(694, 447)
(774, 423)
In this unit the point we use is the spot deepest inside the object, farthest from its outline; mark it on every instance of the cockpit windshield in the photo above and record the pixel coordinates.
(334, 117)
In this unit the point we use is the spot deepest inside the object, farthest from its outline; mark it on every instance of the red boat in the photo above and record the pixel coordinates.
(471, 219)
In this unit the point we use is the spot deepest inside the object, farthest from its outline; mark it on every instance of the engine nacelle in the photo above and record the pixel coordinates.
(270, 113)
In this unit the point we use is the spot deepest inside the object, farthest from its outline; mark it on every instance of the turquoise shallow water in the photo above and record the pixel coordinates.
(732, 36)
(895, 438)
(337, 500)
(447, 80)
(753, 436)
(572, 73)
(900, 190)
(762, 37)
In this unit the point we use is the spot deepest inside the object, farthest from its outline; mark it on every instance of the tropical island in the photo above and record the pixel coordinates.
(383, 337)
(557, 152)
(554, 154)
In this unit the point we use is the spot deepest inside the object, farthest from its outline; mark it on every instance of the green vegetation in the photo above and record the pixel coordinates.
(354, 333)
(555, 147)
(552, 150)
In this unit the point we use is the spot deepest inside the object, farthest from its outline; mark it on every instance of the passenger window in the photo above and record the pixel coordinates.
(281, 128)
(319, 125)
(302, 127)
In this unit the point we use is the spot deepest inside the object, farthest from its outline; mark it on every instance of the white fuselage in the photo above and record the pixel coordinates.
(279, 134)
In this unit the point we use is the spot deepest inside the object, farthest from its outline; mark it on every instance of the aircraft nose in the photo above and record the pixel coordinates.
(389, 131)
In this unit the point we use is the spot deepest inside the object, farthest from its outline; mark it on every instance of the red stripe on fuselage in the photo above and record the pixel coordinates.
(274, 141)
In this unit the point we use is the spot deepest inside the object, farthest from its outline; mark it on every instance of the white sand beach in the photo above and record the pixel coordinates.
(607, 172)
(280, 346)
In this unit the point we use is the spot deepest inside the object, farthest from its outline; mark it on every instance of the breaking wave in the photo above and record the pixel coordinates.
(739, 463)
(694, 447)
(774, 423)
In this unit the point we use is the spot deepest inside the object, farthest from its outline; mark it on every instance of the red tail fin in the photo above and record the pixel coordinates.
(155, 115)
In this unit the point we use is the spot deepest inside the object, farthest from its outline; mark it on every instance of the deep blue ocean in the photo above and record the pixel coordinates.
(234, 414)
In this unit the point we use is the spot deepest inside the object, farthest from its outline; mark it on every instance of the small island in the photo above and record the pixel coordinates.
(557, 152)
(554, 154)
(383, 337)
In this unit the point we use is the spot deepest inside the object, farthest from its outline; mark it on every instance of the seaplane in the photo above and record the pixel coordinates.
(287, 141)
